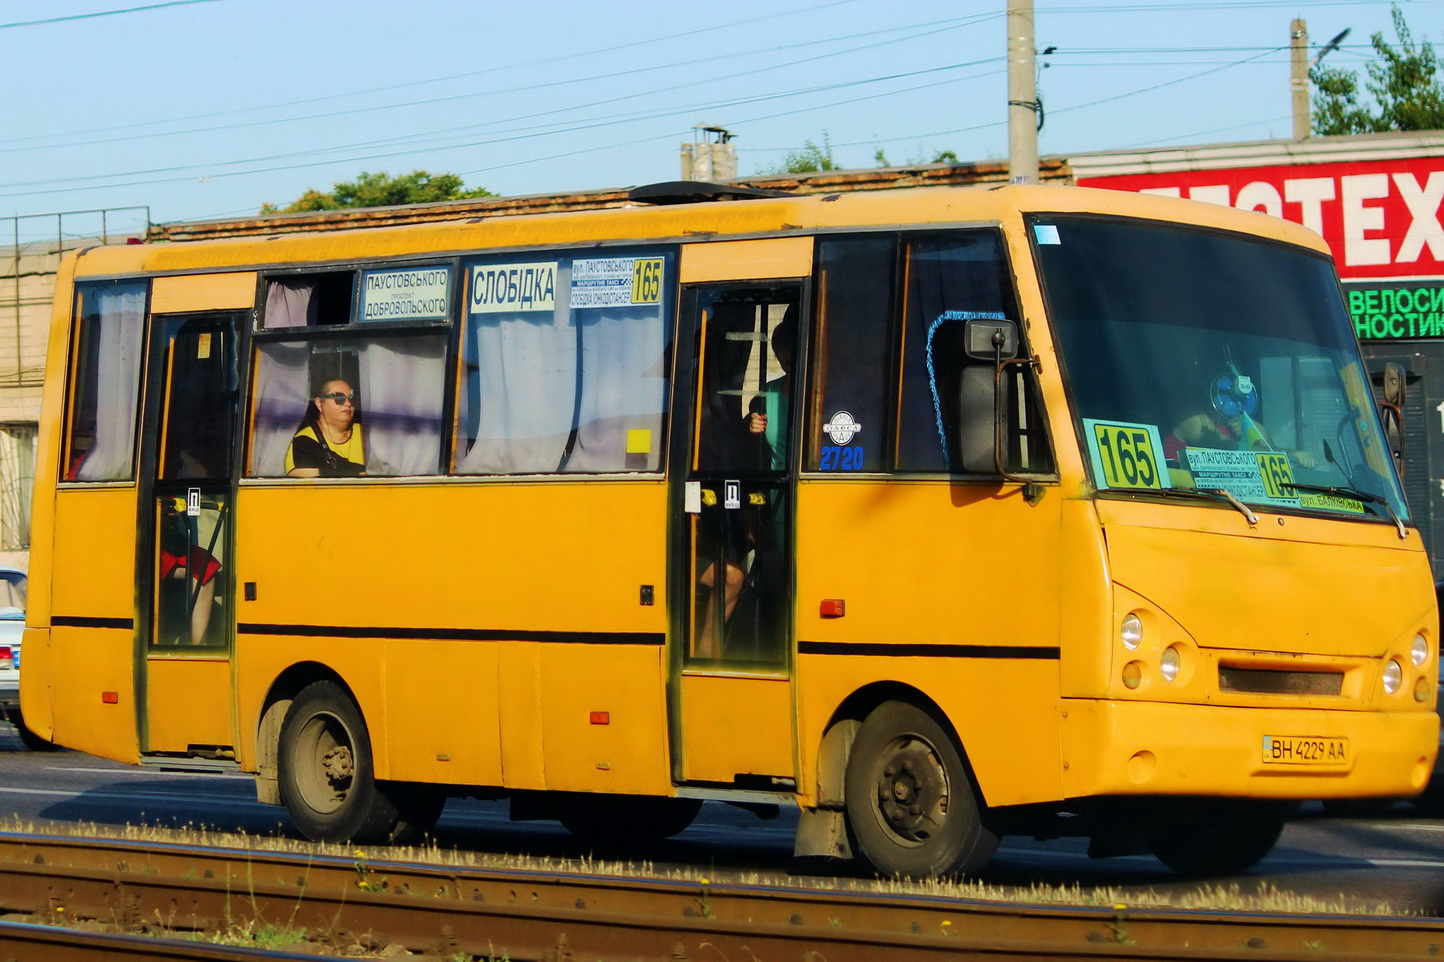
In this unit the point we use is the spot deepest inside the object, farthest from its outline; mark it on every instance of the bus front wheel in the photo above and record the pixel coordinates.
(1220, 839)
(910, 803)
(327, 778)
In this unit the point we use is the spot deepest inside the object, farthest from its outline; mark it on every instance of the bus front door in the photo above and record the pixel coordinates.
(184, 573)
(732, 714)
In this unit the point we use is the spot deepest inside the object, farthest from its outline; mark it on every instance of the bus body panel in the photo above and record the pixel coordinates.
(490, 566)
(1117, 748)
(715, 712)
(1376, 587)
(93, 687)
(1015, 754)
(182, 695)
(968, 615)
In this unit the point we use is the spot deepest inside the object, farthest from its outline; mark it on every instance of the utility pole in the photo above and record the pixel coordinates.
(1299, 76)
(1022, 95)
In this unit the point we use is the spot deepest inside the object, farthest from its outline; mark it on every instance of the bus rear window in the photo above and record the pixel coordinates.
(100, 441)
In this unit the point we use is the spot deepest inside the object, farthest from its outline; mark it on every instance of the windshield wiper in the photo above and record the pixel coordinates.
(1353, 494)
(1210, 494)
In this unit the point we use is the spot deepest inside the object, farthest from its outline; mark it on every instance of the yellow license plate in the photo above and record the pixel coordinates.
(1309, 750)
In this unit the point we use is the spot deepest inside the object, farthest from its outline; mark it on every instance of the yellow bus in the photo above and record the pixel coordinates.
(940, 515)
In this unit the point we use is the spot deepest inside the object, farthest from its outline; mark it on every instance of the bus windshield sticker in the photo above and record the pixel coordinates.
(512, 288)
(616, 282)
(419, 294)
(1046, 233)
(1255, 476)
(1125, 454)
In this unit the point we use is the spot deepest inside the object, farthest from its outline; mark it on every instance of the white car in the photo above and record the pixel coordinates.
(12, 629)
(12, 633)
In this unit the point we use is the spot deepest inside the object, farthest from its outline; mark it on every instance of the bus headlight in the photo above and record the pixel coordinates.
(1169, 664)
(1132, 631)
(1393, 676)
(1420, 651)
(1132, 675)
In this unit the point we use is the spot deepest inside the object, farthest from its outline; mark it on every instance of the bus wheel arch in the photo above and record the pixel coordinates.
(326, 774)
(273, 713)
(911, 801)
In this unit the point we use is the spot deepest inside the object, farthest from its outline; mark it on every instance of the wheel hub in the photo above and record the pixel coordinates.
(912, 790)
(338, 764)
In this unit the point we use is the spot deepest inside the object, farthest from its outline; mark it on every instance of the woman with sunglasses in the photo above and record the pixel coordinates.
(328, 443)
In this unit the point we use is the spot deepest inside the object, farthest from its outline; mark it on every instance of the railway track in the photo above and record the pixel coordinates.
(521, 914)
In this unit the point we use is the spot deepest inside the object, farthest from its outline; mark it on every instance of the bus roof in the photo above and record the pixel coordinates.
(725, 220)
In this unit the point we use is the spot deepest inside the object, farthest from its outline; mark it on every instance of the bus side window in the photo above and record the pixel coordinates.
(848, 423)
(100, 440)
(963, 273)
(394, 388)
(308, 300)
(565, 364)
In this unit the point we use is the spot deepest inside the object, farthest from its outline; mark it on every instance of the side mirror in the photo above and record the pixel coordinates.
(1391, 412)
(985, 339)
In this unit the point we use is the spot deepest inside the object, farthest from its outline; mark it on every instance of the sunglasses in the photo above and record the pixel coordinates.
(339, 398)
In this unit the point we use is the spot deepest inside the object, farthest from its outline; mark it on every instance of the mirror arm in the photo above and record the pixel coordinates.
(999, 365)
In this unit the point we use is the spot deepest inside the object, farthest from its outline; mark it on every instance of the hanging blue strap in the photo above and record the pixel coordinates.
(942, 319)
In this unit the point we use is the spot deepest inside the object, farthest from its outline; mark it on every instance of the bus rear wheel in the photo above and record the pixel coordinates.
(909, 800)
(327, 777)
(1220, 839)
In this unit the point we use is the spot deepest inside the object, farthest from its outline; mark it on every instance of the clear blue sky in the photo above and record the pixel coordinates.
(209, 108)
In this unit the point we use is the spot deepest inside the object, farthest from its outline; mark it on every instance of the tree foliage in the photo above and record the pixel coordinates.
(1403, 83)
(382, 190)
(810, 157)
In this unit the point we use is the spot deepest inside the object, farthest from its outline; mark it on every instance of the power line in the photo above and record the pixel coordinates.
(102, 13)
(460, 76)
(924, 29)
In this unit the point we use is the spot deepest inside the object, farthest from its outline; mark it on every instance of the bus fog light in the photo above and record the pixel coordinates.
(1132, 631)
(1169, 664)
(1132, 675)
(1393, 676)
(1421, 689)
(1419, 653)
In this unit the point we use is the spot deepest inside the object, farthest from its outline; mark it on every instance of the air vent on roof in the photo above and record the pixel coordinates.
(696, 192)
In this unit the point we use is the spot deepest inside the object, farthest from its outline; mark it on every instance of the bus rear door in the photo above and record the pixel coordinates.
(184, 569)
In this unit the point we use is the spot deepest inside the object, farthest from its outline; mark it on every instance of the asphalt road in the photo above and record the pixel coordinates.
(1395, 856)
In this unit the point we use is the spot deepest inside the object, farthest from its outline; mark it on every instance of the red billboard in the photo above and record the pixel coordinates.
(1380, 217)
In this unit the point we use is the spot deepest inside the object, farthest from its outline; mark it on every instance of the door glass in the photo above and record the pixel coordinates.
(199, 390)
(192, 570)
(739, 510)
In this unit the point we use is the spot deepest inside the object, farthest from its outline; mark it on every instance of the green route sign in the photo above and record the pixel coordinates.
(1395, 310)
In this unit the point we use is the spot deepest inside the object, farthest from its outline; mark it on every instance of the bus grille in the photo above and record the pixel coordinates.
(1270, 682)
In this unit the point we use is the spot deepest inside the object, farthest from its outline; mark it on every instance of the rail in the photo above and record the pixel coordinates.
(521, 914)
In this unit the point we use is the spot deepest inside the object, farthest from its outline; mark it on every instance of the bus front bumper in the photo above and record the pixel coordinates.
(1136, 748)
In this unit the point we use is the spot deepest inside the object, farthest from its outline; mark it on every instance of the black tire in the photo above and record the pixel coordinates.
(28, 738)
(618, 820)
(910, 803)
(327, 777)
(1221, 839)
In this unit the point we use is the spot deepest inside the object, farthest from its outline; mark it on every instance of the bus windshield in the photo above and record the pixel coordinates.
(1201, 361)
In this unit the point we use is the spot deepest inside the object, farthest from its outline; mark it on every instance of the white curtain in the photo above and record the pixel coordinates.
(282, 393)
(400, 395)
(116, 325)
(521, 392)
(623, 391)
(289, 303)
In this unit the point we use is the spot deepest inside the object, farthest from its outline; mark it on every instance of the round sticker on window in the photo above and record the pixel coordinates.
(841, 428)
